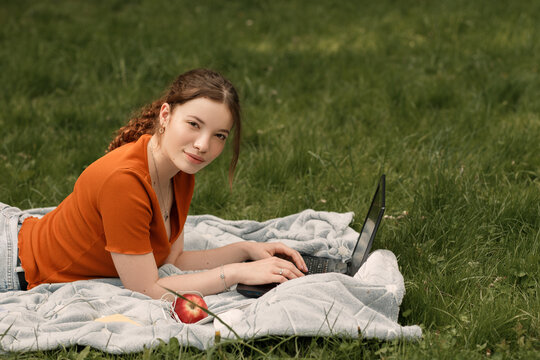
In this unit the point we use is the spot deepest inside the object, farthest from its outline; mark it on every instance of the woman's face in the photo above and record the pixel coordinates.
(195, 133)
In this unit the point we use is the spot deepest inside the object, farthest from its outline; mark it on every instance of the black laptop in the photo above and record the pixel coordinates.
(317, 265)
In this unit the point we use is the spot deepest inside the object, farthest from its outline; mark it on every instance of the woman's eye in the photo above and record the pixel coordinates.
(193, 123)
(221, 137)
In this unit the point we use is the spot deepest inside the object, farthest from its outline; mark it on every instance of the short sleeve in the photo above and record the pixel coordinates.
(126, 212)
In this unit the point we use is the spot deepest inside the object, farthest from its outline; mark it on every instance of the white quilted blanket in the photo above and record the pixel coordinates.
(53, 315)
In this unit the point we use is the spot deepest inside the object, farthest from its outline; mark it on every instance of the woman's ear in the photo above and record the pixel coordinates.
(164, 114)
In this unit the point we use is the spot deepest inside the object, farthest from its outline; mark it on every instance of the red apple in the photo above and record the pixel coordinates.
(188, 312)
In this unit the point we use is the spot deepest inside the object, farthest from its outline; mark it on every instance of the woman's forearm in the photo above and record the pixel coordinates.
(222, 276)
(140, 273)
(206, 282)
(213, 258)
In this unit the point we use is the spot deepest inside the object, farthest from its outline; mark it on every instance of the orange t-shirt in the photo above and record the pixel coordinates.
(113, 208)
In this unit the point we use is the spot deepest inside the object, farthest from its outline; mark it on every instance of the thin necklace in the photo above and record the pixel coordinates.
(164, 213)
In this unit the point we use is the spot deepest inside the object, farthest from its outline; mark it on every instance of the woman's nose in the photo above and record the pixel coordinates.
(202, 143)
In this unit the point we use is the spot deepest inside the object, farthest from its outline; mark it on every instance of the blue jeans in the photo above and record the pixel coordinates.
(11, 219)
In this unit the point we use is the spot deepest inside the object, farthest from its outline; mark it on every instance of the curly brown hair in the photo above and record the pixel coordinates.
(188, 86)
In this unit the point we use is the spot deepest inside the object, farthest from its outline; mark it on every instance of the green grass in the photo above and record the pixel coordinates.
(442, 96)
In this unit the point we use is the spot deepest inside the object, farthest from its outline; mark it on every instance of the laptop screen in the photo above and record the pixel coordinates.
(371, 223)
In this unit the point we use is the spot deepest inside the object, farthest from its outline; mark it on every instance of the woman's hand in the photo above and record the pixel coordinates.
(259, 251)
(269, 270)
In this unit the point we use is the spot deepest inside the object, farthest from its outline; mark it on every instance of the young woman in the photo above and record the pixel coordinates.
(126, 214)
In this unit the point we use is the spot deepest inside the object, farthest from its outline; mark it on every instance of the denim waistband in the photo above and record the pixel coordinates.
(11, 219)
(9, 229)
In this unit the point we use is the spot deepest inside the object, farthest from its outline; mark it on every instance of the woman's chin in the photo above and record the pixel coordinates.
(191, 168)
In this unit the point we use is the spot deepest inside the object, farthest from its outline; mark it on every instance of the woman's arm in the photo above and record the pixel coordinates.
(140, 273)
(232, 253)
(205, 259)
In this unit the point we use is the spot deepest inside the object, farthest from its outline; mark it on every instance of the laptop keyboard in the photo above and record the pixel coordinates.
(316, 265)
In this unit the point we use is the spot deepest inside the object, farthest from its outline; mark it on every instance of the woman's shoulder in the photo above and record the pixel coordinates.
(132, 155)
(126, 165)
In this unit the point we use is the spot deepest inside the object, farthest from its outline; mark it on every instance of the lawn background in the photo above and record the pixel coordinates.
(442, 96)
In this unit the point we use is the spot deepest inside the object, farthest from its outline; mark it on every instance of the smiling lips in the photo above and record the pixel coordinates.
(194, 158)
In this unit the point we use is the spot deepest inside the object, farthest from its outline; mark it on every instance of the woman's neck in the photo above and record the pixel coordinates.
(162, 164)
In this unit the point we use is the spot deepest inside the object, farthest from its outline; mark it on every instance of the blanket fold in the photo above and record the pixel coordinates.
(53, 315)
